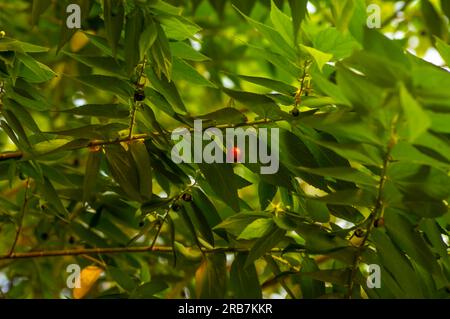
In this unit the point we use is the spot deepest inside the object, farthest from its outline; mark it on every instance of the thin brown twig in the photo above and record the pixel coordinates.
(376, 211)
(121, 250)
(16, 155)
(21, 217)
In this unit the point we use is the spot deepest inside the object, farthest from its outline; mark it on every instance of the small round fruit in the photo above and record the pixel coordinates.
(379, 222)
(44, 236)
(139, 96)
(71, 240)
(295, 112)
(187, 197)
(234, 155)
(141, 223)
(176, 207)
(359, 233)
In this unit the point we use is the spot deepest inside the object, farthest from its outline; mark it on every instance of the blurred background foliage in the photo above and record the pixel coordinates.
(364, 148)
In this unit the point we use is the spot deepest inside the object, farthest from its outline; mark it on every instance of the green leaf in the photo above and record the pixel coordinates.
(444, 50)
(211, 277)
(266, 193)
(123, 279)
(94, 131)
(50, 195)
(282, 23)
(362, 153)
(258, 103)
(257, 229)
(397, 264)
(182, 70)
(435, 23)
(178, 28)
(343, 173)
(274, 85)
(310, 287)
(350, 197)
(299, 12)
(280, 44)
(203, 225)
(113, 12)
(122, 168)
(36, 72)
(363, 94)
(320, 57)
(134, 23)
(12, 135)
(417, 120)
(108, 64)
(330, 40)
(445, 5)
(16, 128)
(144, 170)
(91, 173)
(317, 210)
(190, 225)
(403, 233)
(207, 208)
(342, 12)
(226, 115)
(8, 44)
(147, 37)
(107, 83)
(39, 7)
(378, 44)
(218, 175)
(236, 223)
(112, 111)
(168, 89)
(149, 289)
(244, 280)
(264, 244)
(162, 55)
(185, 51)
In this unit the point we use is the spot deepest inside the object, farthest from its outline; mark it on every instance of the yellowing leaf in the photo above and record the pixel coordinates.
(78, 41)
(88, 277)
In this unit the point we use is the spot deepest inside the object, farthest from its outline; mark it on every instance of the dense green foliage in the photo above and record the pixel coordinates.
(85, 160)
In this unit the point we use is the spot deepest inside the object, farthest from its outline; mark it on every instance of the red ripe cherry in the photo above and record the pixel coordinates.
(234, 155)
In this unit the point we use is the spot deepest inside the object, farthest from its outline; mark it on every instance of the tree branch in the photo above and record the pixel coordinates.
(16, 155)
(122, 250)
(378, 209)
